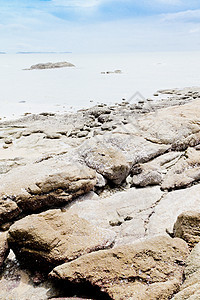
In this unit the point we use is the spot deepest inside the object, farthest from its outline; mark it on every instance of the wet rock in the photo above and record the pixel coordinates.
(4, 249)
(54, 237)
(17, 283)
(187, 227)
(146, 270)
(47, 183)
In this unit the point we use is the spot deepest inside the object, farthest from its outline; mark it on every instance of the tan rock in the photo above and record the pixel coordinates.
(191, 286)
(54, 237)
(125, 212)
(112, 155)
(178, 125)
(8, 211)
(45, 184)
(4, 249)
(147, 270)
(184, 172)
(106, 160)
(187, 227)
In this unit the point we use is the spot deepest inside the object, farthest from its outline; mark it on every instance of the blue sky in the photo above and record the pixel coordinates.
(99, 25)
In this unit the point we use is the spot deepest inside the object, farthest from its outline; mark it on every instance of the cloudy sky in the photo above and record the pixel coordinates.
(99, 25)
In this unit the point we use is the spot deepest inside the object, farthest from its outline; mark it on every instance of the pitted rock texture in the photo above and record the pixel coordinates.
(151, 269)
(45, 184)
(191, 286)
(187, 227)
(54, 237)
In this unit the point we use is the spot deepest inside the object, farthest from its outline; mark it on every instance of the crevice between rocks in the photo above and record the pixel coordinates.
(146, 222)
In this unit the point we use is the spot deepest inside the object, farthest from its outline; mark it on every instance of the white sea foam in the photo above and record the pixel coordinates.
(58, 90)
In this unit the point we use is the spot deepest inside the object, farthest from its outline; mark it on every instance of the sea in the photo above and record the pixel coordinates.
(88, 83)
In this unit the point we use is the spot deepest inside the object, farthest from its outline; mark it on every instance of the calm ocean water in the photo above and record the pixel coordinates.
(66, 89)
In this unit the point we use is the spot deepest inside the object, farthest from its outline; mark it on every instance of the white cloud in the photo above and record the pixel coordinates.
(192, 16)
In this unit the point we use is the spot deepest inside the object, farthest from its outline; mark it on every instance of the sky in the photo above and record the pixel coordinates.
(99, 25)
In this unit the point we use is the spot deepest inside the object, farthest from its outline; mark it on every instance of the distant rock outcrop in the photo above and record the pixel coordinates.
(50, 65)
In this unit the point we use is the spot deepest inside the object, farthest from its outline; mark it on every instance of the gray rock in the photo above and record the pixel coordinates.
(50, 65)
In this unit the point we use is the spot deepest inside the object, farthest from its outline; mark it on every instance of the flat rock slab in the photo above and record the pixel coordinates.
(124, 212)
(170, 207)
(147, 270)
(178, 126)
(54, 237)
(46, 184)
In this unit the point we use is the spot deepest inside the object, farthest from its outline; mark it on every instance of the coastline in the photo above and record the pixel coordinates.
(126, 174)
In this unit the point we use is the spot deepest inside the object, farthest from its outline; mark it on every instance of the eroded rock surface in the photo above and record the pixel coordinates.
(147, 270)
(170, 207)
(176, 126)
(126, 212)
(54, 237)
(191, 286)
(187, 227)
(184, 172)
(46, 184)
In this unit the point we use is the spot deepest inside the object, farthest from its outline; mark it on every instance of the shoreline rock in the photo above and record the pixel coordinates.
(121, 175)
(49, 65)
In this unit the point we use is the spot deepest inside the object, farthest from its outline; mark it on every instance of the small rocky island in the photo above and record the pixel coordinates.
(50, 65)
(103, 203)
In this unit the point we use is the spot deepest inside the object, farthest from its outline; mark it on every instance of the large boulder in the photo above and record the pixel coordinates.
(191, 286)
(109, 162)
(151, 269)
(153, 172)
(54, 237)
(45, 184)
(177, 126)
(170, 206)
(187, 227)
(4, 249)
(184, 172)
(113, 155)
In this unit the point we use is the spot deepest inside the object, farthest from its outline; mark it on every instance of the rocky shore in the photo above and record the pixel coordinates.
(103, 203)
